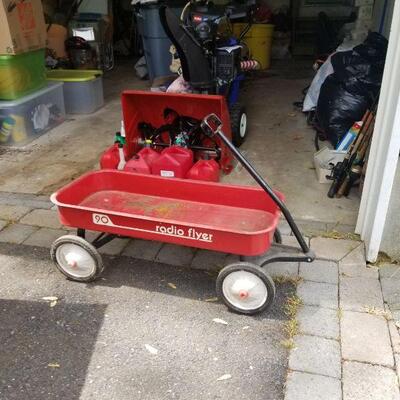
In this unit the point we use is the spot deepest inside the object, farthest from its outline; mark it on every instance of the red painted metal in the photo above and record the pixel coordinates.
(234, 219)
(141, 106)
(204, 170)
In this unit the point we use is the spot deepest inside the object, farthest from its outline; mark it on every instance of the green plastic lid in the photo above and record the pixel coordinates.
(73, 75)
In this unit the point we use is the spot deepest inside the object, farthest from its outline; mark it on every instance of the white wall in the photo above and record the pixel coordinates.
(391, 234)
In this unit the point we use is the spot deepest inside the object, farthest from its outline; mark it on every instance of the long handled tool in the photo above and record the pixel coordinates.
(353, 172)
(343, 174)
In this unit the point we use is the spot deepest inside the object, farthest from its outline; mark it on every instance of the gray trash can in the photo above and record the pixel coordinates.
(155, 41)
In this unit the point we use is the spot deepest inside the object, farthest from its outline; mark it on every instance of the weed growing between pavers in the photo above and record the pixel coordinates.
(379, 312)
(333, 234)
(384, 258)
(291, 308)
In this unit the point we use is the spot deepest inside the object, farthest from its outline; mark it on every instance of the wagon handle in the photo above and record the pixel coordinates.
(212, 125)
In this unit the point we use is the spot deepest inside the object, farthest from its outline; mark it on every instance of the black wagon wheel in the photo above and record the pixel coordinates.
(277, 236)
(239, 129)
(76, 258)
(245, 288)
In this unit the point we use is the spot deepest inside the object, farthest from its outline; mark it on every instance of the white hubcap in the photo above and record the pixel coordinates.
(243, 125)
(75, 260)
(244, 290)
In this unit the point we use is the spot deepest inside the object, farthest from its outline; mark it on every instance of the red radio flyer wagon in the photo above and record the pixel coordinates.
(233, 219)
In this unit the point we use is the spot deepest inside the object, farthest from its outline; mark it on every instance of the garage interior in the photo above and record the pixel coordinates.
(153, 323)
(280, 142)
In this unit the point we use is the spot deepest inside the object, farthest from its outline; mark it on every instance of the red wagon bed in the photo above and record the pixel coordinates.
(233, 219)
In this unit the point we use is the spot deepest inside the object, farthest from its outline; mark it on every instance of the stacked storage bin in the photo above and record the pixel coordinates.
(28, 106)
(83, 89)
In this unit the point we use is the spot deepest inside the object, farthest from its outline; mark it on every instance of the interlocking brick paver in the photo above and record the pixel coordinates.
(360, 294)
(142, 249)
(175, 255)
(303, 386)
(357, 270)
(365, 338)
(42, 218)
(44, 237)
(394, 336)
(389, 271)
(365, 381)
(115, 247)
(332, 249)
(316, 355)
(13, 213)
(397, 359)
(320, 271)
(283, 269)
(391, 292)
(318, 321)
(209, 260)
(16, 233)
(318, 294)
(356, 256)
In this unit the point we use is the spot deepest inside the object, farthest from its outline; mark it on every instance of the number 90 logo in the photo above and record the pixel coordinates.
(101, 219)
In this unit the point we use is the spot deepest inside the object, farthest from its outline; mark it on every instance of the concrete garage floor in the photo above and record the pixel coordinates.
(91, 343)
(280, 145)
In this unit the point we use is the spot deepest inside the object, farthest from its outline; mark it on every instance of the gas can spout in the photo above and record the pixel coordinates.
(121, 143)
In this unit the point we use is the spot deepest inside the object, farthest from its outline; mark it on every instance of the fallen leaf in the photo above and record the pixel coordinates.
(53, 365)
(50, 298)
(292, 114)
(220, 321)
(53, 303)
(171, 285)
(212, 299)
(224, 377)
(298, 137)
(151, 349)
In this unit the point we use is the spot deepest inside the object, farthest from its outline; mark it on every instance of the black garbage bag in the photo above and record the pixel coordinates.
(352, 88)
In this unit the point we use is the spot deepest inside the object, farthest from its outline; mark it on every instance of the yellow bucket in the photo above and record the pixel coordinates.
(259, 41)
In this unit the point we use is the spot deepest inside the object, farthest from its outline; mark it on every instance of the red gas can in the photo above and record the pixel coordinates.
(174, 162)
(141, 163)
(149, 155)
(204, 170)
(110, 158)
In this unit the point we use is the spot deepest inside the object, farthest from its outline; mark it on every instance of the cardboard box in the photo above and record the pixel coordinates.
(22, 26)
(324, 160)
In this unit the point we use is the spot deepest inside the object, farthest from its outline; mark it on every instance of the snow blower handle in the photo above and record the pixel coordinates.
(212, 126)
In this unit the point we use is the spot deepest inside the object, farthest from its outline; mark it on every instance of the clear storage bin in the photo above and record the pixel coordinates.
(23, 120)
(83, 89)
